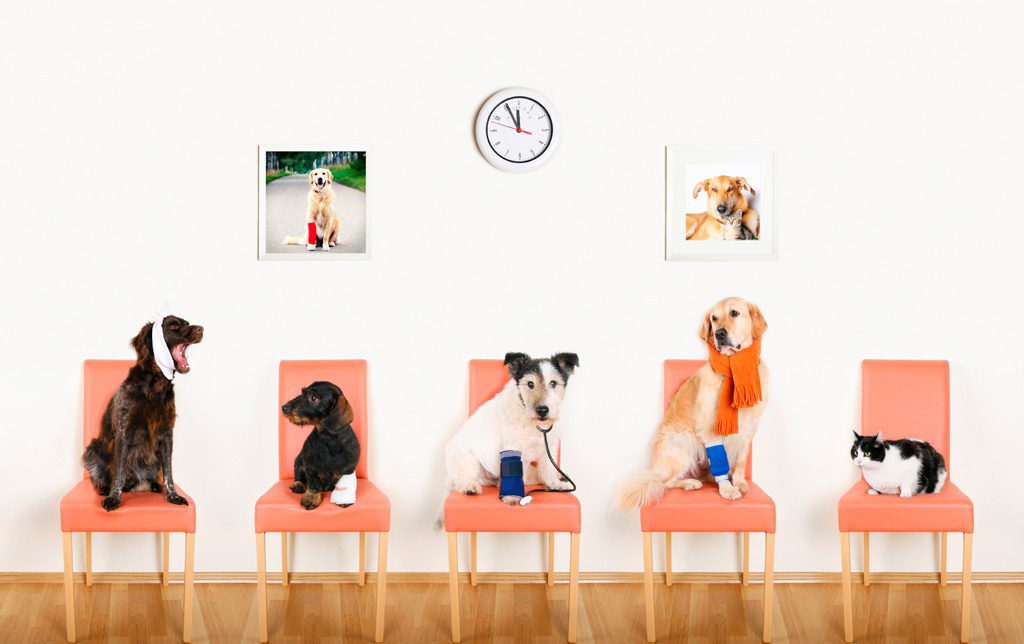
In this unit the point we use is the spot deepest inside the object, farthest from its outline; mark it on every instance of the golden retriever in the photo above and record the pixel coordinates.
(322, 221)
(729, 215)
(679, 458)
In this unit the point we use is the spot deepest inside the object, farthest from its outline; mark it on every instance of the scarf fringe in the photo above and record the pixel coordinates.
(746, 395)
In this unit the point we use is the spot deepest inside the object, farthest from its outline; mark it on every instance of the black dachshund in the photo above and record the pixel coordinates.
(331, 450)
(136, 437)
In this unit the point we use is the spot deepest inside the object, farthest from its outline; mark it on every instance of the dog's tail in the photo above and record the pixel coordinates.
(294, 241)
(643, 490)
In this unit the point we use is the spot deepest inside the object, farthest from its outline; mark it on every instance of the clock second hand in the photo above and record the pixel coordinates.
(517, 129)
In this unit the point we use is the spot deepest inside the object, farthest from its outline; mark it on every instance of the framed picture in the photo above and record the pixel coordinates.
(720, 203)
(313, 203)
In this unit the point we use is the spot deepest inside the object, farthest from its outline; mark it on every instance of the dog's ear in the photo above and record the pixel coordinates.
(143, 343)
(705, 327)
(345, 409)
(330, 175)
(311, 177)
(567, 362)
(515, 363)
(742, 182)
(758, 323)
(700, 186)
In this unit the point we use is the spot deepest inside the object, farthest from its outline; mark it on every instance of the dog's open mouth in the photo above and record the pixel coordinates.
(180, 355)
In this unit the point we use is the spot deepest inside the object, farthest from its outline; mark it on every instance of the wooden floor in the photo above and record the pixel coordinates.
(612, 613)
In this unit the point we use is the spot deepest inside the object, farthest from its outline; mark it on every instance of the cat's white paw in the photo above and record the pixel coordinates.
(906, 494)
(728, 491)
(873, 492)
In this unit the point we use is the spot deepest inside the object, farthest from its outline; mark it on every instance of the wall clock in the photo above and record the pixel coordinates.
(517, 130)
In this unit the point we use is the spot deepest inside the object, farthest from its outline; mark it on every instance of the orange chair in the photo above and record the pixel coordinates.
(81, 509)
(549, 513)
(279, 511)
(906, 398)
(704, 510)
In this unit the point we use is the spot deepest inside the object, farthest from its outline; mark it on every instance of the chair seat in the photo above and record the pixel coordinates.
(948, 511)
(279, 511)
(81, 510)
(484, 512)
(705, 510)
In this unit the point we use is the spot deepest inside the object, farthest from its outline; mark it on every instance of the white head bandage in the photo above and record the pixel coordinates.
(161, 353)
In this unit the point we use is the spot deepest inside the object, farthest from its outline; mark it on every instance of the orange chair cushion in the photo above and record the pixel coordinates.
(81, 511)
(705, 510)
(484, 512)
(948, 511)
(279, 511)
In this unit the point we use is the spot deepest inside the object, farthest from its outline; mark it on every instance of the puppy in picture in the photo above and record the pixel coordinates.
(706, 433)
(322, 223)
(728, 215)
(327, 461)
(515, 419)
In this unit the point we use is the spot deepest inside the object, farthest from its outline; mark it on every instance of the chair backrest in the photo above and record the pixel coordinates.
(293, 375)
(486, 379)
(676, 373)
(906, 399)
(102, 378)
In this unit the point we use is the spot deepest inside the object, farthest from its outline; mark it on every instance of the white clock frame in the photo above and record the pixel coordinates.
(483, 117)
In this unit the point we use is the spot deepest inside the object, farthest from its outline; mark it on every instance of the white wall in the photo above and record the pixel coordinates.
(128, 177)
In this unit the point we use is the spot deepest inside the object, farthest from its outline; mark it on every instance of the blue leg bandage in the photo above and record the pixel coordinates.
(511, 474)
(719, 461)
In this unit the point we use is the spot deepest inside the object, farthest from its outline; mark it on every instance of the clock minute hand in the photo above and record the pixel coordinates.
(511, 115)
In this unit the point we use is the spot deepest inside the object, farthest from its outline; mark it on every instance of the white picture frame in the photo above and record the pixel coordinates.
(273, 220)
(685, 167)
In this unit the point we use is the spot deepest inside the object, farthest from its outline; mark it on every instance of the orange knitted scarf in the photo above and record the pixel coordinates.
(741, 387)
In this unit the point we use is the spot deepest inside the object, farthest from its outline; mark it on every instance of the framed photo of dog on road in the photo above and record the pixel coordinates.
(720, 203)
(313, 203)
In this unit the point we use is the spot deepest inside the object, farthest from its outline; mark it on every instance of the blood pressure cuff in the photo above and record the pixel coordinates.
(511, 474)
(718, 459)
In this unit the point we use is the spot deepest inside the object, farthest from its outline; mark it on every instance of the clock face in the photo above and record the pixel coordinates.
(519, 129)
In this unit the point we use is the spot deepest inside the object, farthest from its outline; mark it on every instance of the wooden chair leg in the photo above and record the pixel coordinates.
(284, 559)
(847, 590)
(165, 574)
(69, 586)
(942, 558)
(382, 582)
(186, 620)
(574, 584)
(668, 559)
(472, 559)
(965, 592)
(551, 559)
(88, 559)
(649, 585)
(261, 583)
(362, 559)
(453, 583)
(867, 559)
(745, 577)
(769, 582)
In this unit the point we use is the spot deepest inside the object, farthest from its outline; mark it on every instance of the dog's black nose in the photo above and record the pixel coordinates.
(286, 408)
(721, 334)
(721, 210)
(542, 411)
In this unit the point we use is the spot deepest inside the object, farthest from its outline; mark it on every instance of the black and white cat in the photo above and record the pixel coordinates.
(906, 466)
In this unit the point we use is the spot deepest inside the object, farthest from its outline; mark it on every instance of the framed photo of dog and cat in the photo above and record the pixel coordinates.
(720, 203)
(312, 203)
